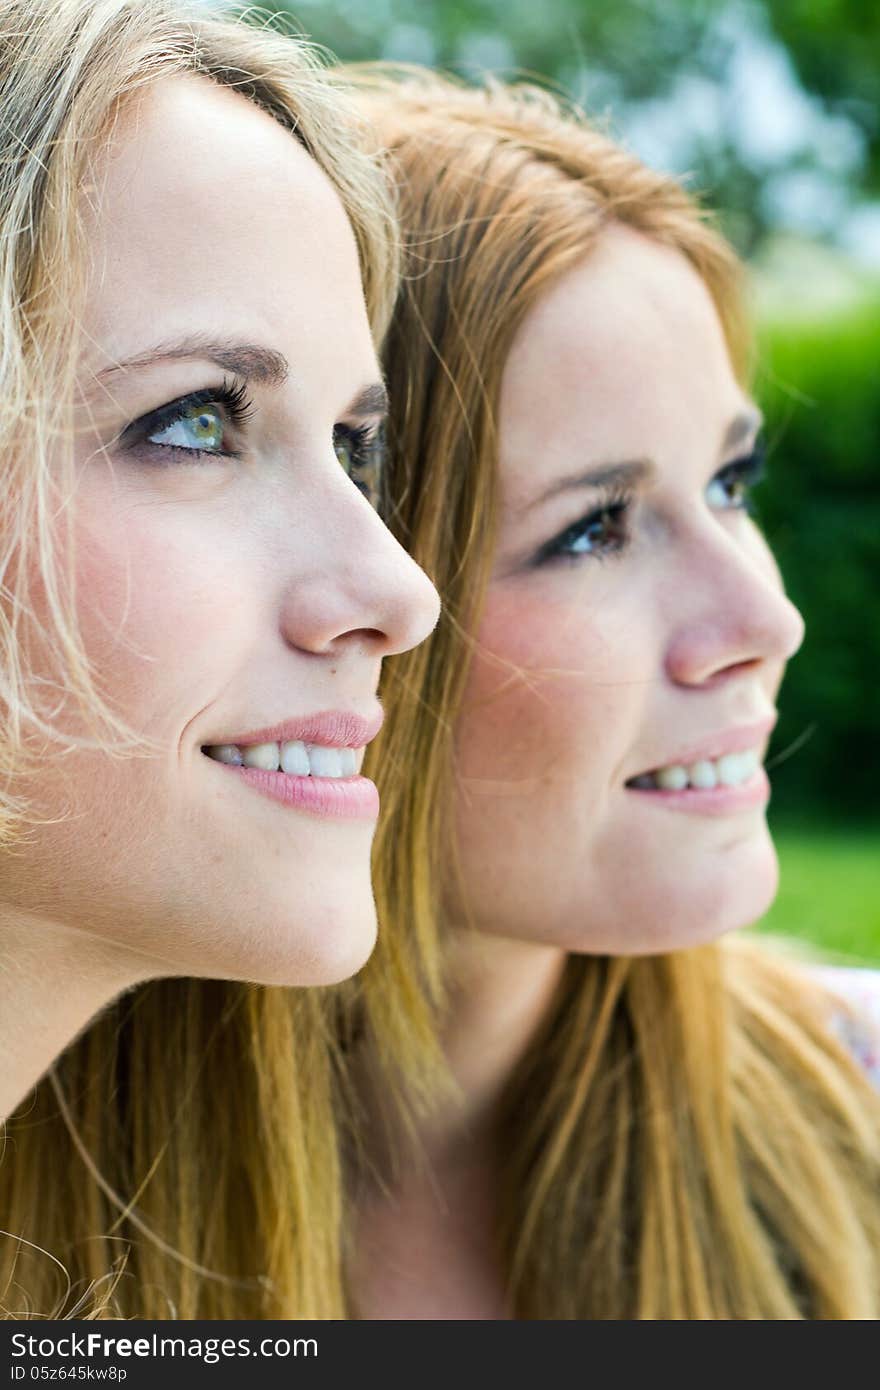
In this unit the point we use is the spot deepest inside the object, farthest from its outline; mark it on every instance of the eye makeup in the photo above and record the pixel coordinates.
(209, 413)
(604, 531)
(361, 450)
(741, 476)
(198, 424)
(600, 533)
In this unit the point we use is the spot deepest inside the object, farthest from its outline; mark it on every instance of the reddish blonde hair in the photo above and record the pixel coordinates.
(684, 1139)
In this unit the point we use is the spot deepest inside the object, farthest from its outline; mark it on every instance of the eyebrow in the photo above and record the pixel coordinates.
(741, 428)
(249, 360)
(607, 475)
(373, 400)
(638, 472)
(253, 363)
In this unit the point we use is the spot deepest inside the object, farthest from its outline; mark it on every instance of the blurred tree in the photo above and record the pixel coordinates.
(820, 509)
(835, 47)
(770, 106)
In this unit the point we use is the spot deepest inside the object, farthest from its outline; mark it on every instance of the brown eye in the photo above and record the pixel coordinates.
(597, 532)
(601, 533)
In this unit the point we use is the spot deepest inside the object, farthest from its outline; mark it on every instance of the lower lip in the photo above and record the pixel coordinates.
(711, 801)
(331, 798)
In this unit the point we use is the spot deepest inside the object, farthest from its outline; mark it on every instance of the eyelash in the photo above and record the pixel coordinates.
(237, 407)
(747, 472)
(744, 473)
(366, 443)
(367, 456)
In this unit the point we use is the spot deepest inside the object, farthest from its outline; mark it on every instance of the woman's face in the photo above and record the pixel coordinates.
(635, 630)
(232, 576)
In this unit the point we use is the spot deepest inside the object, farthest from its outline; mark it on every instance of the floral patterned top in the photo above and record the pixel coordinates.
(857, 1025)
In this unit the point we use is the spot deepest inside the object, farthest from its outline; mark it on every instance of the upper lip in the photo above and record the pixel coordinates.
(329, 729)
(735, 740)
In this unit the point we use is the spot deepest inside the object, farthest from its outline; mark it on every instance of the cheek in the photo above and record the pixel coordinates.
(509, 701)
(158, 605)
(543, 694)
(553, 702)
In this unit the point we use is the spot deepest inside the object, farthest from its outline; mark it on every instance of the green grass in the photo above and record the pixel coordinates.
(829, 892)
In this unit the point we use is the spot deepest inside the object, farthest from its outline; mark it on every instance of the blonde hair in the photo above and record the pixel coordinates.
(684, 1138)
(180, 1159)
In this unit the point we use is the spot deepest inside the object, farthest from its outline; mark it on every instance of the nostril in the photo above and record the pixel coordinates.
(752, 665)
(740, 667)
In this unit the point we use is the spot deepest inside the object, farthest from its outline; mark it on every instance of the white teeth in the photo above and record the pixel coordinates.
(730, 771)
(324, 762)
(703, 775)
(672, 779)
(227, 753)
(265, 755)
(735, 768)
(295, 759)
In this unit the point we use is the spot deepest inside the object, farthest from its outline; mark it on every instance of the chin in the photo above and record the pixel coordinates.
(666, 900)
(343, 949)
(320, 951)
(319, 926)
(723, 894)
(289, 944)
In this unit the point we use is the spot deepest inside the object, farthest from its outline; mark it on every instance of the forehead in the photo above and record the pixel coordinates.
(623, 358)
(206, 214)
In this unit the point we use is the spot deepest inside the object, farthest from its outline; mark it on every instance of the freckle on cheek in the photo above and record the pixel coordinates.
(513, 632)
(511, 718)
(536, 699)
(147, 583)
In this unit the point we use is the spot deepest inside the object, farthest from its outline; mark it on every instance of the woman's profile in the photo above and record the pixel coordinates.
(646, 1119)
(197, 596)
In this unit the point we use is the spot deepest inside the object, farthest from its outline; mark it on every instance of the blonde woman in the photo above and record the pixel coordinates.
(646, 1120)
(196, 601)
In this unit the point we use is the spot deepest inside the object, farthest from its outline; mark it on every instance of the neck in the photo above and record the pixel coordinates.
(500, 994)
(53, 981)
(425, 1239)
(502, 991)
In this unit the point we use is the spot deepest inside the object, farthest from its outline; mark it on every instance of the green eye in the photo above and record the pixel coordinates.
(344, 450)
(727, 492)
(361, 451)
(731, 489)
(197, 427)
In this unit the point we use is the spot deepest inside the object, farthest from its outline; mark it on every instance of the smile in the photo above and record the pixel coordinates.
(309, 763)
(306, 777)
(296, 758)
(731, 770)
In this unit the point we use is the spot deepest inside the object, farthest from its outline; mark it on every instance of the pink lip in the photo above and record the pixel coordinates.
(330, 729)
(336, 798)
(712, 801)
(716, 745)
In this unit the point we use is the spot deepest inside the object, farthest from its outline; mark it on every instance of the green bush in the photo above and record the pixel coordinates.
(819, 385)
(829, 892)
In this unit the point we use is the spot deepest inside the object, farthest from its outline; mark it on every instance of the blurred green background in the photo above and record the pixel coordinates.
(771, 110)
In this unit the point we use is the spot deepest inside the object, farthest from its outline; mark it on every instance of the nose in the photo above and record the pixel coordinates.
(359, 587)
(737, 614)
